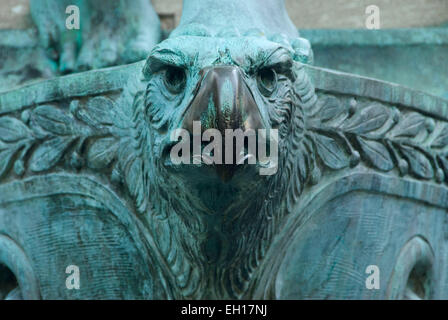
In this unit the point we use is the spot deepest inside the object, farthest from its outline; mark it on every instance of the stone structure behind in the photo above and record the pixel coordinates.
(306, 14)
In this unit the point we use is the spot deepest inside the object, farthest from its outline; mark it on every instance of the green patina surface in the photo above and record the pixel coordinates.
(86, 178)
(415, 58)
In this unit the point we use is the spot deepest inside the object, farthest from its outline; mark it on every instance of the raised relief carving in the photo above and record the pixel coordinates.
(207, 236)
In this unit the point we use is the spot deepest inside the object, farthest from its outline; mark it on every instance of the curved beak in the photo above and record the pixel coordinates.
(223, 100)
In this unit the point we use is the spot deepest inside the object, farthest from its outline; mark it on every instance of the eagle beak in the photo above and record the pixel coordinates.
(223, 100)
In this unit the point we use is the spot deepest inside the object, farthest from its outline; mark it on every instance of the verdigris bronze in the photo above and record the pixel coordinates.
(110, 32)
(87, 178)
(106, 34)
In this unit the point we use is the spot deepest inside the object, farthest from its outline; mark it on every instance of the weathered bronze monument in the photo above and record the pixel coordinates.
(86, 177)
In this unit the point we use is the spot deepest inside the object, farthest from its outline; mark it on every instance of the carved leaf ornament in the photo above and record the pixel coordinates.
(346, 132)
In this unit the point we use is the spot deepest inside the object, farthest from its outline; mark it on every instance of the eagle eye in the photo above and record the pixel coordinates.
(267, 81)
(174, 79)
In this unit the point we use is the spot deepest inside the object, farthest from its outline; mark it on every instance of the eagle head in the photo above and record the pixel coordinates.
(223, 84)
(215, 207)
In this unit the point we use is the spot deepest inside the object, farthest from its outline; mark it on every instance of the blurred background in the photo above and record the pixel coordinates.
(306, 14)
(411, 47)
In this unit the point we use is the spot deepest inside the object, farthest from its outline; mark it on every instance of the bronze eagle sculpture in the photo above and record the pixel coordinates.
(95, 164)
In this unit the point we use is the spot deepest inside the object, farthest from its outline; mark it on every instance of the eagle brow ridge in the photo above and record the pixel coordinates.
(164, 57)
